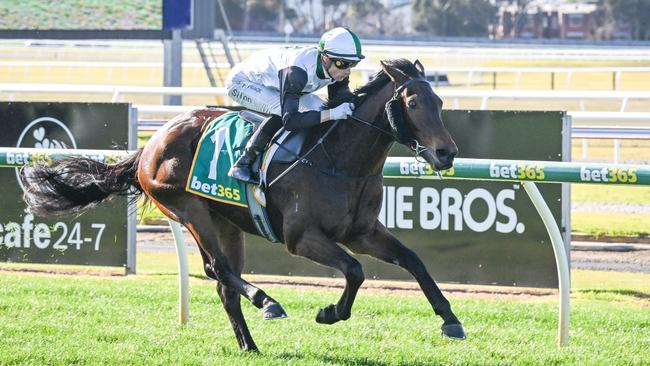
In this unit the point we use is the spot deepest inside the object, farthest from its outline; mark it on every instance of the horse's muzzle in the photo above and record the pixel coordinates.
(446, 158)
(442, 159)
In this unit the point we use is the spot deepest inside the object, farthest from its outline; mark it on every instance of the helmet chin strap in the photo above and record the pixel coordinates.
(326, 65)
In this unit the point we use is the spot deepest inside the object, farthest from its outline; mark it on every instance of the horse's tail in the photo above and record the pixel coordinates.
(72, 185)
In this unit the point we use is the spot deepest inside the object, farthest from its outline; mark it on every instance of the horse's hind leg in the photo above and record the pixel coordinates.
(205, 232)
(230, 300)
(383, 245)
(324, 251)
(231, 243)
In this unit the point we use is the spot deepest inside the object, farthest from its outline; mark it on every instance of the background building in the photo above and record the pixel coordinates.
(559, 20)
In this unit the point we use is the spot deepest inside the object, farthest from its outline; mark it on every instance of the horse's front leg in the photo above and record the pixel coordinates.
(381, 244)
(325, 251)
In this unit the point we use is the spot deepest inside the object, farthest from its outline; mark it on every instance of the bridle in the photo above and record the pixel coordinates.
(394, 111)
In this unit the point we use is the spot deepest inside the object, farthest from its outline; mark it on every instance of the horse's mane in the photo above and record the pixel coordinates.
(377, 81)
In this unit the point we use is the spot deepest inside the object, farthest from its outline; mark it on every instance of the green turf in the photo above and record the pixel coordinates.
(61, 320)
(607, 223)
(81, 14)
(592, 193)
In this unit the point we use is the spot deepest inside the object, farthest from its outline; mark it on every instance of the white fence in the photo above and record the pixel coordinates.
(590, 125)
(474, 74)
(117, 93)
(585, 125)
(451, 96)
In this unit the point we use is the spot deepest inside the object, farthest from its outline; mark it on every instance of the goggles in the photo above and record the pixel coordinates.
(344, 64)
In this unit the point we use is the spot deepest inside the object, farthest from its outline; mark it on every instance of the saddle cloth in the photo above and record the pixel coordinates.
(221, 144)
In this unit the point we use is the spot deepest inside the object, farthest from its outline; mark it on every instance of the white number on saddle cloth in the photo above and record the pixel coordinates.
(218, 139)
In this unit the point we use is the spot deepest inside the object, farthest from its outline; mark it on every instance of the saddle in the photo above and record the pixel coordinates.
(288, 143)
(285, 147)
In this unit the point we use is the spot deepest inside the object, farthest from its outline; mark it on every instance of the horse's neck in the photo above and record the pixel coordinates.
(362, 150)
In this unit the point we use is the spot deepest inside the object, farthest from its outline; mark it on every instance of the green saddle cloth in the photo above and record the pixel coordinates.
(220, 146)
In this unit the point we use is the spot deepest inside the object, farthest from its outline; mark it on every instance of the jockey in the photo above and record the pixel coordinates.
(281, 83)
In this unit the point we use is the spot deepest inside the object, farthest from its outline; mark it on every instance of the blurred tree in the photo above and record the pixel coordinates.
(234, 11)
(519, 20)
(334, 11)
(453, 18)
(367, 16)
(263, 15)
(255, 15)
(637, 12)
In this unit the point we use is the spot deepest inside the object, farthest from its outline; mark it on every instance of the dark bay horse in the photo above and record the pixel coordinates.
(313, 209)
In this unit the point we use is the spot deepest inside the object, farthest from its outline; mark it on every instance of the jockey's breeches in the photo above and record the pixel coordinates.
(263, 99)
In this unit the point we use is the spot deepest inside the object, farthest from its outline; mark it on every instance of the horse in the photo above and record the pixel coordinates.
(313, 208)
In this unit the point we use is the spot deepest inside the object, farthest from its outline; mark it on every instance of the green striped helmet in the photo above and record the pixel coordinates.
(341, 43)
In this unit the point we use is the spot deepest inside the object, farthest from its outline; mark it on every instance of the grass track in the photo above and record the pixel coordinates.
(63, 320)
(617, 224)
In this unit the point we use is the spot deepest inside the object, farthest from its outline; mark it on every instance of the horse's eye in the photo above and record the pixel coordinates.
(411, 104)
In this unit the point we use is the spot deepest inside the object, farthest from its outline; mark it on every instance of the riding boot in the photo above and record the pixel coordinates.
(242, 169)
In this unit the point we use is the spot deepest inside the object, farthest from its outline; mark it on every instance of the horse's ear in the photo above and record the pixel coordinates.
(419, 67)
(396, 75)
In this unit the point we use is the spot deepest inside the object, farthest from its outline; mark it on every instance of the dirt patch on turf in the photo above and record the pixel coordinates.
(401, 288)
(100, 272)
(406, 288)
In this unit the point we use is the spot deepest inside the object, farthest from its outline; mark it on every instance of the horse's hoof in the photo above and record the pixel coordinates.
(273, 311)
(327, 315)
(251, 349)
(454, 331)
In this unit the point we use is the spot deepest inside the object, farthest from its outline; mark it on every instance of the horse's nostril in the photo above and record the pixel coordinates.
(445, 156)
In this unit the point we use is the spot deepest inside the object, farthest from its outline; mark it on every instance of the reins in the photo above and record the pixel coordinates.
(413, 144)
(372, 125)
(303, 158)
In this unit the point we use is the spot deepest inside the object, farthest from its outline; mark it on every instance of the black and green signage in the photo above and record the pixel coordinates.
(97, 237)
(477, 232)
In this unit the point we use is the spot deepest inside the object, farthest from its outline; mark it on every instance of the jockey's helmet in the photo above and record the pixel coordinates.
(341, 43)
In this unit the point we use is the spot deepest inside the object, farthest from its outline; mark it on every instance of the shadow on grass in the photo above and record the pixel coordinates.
(284, 357)
(632, 293)
(350, 361)
(160, 274)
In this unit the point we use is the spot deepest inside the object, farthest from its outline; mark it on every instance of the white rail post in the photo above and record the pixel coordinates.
(624, 104)
(484, 102)
(183, 274)
(564, 281)
(517, 79)
(116, 95)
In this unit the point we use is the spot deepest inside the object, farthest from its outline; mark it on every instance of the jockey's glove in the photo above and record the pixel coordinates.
(341, 112)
